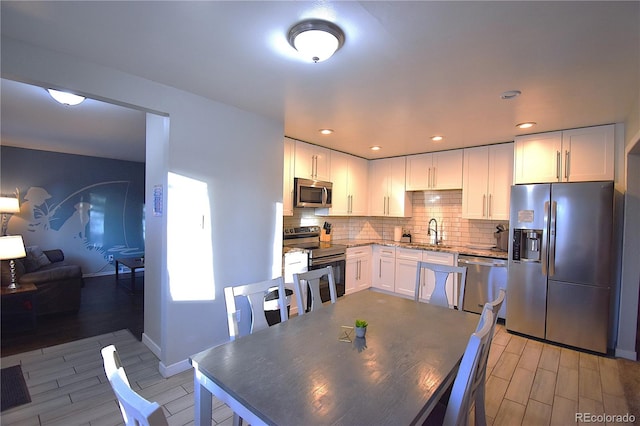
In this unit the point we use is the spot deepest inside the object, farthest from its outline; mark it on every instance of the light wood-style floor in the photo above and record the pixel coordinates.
(528, 382)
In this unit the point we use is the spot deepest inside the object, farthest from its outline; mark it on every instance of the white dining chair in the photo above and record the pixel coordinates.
(312, 280)
(255, 297)
(469, 379)
(136, 411)
(493, 306)
(439, 294)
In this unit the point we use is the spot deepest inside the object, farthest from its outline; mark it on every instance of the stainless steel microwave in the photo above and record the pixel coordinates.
(311, 193)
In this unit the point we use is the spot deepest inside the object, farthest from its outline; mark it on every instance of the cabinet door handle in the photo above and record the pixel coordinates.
(429, 178)
(484, 204)
(566, 165)
(558, 164)
(380, 269)
(433, 181)
(489, 212)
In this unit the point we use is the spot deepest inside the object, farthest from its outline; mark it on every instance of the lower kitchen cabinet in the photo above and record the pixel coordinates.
(406, 267)
(383, 261)
(358, 269)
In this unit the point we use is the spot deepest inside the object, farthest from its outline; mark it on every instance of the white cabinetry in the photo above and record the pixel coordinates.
(349, 175)
(438, 170)
(383, 259)
(287, 177)
(487, 179)
(576, 155)
(429, 282)
(406, 268)
(358, 269)
(387, 195)
(312, 161)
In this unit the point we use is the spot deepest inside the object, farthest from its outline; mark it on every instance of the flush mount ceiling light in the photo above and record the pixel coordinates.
(316, 39)
(437, 138)
(375, 148)
(65, 98)
(510, 94)
(326, 131)
(526, 125)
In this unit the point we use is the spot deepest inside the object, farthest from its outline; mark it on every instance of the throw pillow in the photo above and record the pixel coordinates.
(35, 259)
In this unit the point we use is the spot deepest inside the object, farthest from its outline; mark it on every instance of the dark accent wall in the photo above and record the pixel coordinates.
(90, 207)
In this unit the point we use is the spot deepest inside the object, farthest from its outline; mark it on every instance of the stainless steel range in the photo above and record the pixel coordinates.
(321, 255)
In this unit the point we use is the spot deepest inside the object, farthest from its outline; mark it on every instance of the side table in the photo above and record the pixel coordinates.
(19, 307)
(132, 263)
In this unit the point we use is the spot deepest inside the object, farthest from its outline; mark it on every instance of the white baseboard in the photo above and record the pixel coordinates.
(178, 367)
(153, 347)
(622, 353)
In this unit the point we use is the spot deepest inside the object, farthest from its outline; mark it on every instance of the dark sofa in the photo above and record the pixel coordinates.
(59, 283)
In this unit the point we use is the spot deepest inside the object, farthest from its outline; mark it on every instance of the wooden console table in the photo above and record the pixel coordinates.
(132, 263)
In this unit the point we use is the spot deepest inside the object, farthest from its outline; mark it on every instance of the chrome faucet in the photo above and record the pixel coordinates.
(431, 229)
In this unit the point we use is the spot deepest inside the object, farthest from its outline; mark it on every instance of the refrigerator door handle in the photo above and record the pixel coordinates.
(543, 253)
(552, 239)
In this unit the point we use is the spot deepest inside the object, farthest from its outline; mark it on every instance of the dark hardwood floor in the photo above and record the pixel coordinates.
(105, 307)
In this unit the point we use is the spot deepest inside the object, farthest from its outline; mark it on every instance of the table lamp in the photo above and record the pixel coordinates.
(12, 247)
(8, 205)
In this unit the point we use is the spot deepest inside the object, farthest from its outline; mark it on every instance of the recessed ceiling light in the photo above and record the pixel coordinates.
(510, 94)
(526, 125)
(375, 148)
(65, 98)
(326, 131)
(437, 138)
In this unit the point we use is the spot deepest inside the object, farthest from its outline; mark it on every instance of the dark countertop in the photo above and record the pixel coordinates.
(493, 253)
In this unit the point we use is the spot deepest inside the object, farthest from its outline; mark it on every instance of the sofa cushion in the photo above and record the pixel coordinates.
(35, 259)
(56, 272)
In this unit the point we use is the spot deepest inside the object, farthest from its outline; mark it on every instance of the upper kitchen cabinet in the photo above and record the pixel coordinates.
(349, 175)
(438, 170)
(287, 177)
(576, 155)
(312, 161)
(387, 194)
(487, 179)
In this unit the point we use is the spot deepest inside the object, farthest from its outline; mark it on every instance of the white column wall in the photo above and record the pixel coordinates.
(238, 154)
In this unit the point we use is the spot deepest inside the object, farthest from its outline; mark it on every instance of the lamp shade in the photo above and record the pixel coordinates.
(11, 247)
(9, 205)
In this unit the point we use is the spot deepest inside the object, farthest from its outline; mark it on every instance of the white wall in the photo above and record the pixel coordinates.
(630, 274)
(238, 155)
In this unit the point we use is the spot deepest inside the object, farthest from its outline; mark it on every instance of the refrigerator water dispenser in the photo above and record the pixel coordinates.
(527, 244)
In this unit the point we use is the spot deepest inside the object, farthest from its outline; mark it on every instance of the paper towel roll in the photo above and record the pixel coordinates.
(397, 233)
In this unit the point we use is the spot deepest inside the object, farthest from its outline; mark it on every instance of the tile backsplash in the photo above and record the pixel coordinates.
(444, 206)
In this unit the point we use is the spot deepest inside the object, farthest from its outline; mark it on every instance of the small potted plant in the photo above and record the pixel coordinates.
(361, 327)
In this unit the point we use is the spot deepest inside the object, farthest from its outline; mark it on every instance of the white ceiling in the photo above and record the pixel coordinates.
(408, 70)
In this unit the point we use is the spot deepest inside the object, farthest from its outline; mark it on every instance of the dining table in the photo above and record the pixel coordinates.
(312, 369)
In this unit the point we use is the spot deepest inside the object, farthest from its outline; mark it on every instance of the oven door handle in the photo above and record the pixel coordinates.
(327, 259)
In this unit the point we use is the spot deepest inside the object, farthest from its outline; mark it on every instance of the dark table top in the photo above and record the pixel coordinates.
(299, 372)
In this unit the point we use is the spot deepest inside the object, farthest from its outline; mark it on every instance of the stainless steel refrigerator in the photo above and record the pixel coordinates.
(560, 276)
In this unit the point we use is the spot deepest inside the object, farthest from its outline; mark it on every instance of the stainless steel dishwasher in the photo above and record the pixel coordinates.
(485, 276)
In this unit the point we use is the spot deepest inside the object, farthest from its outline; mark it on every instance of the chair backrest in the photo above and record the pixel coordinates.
(135, 409)
(496, 305)
(439, 294)
(471, 373)
(312, 279)
(255, 294)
